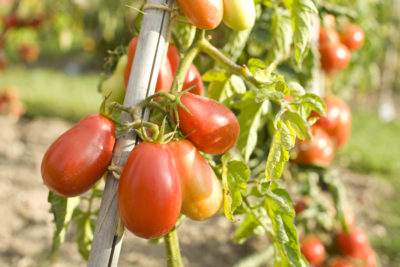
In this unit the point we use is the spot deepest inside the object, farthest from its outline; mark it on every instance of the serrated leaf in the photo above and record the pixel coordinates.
(313, 102)
(249, 121)
(62, 209)
(84, 234)
(282, 36)
(223, 90)
(279, 208)
(247, 228)
(185, 32)
(214, 75)
(236, 43)
(267, 94)
(297, 123)
(296, 89)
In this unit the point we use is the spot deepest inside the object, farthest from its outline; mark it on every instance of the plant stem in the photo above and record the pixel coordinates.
(213, 52)
(185, 62)
(172, 249)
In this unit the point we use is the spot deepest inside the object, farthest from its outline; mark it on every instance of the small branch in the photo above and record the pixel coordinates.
(172, 249)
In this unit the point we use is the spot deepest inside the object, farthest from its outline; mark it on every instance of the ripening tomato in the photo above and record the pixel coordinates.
(193, 77)
(79, 157)
(337, 122)
(165, 75)
(210, 126)
(313, 250)
(239, 15)
(204, 14)
(352, 37)
(299, 205)
(316, 151)
(329, 20)
(328, 36)
(340, 262)
(353, 244)
(201, 190)
(113, 89)
(369, 257)
(149, 191)
(334, 56)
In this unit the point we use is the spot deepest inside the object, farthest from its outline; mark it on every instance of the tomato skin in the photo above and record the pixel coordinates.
(201, 190)
(369, 257)
(352, 37)
(204, 14)
(353, 244)
(340, 262)
(337, 122)
(165, 75)
(316, 151)
(334, 56)
(313, 250)
(239, 15)
(193, 77)
(79, 157)
(210, 126)
(328, 36)
(149, 191)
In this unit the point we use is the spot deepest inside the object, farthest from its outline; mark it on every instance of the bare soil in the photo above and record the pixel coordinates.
(26, 226)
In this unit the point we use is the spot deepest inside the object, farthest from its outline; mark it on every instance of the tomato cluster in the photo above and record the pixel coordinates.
(335, 48)
(237, 14)
(330, 131)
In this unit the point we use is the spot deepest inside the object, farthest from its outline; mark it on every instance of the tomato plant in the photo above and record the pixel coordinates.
(337, 122)
(149, 191)
(239, 14)
(352, 37)
(354, 243)
(210, 126)
(79, 157)
(201, 190)
(313, 249)
(204, 14)
(316, 151)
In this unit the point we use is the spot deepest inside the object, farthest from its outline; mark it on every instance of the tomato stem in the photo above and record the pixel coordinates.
(172, 249)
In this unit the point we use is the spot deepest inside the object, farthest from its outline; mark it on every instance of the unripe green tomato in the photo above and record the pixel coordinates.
(114, 87)
(239, 14)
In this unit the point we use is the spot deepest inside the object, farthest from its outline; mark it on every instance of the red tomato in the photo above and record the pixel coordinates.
(352, 37)
(340, 262)
(337, 122)
(149, 191)
(201, 190)
(334, 56)
(79, 157)
(210, 126)
(204, 14)
(369, 257)
(193, 77)
(313, 250)
(165, 75)
(327, 36)
(353, 244)
(299, 205)
(316, 151)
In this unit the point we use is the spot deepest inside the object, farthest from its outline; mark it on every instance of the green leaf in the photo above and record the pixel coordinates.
(279, 208)
(185, 32)
(257, 63)
(247, 228)
(62, 209)
(282, 36)
(236, 43)
(215, 75)
(267, 94)
(249, 121)
(297, 123)
(313, 102)
(301, 15)
(223, 90)
(296, 89)
(234, 181)
(84, 234)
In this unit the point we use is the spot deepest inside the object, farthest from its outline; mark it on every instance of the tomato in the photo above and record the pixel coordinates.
(313, 250)
(28, 52)
(299, 205)
(193, 77)
(113, 88)
(369, 258)
(204, 14)
(316, 151)
(353, 244)
(329, 20)
(337, 122)
(327, 36)
(340, 262)
(210, 126)
(79, 157)
(352, 37)
(149, 191)
(334, 56)
(239, 14)
(165, 75)
(201, 190)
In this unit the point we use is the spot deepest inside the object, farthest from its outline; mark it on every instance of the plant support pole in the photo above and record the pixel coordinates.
(108, 234)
